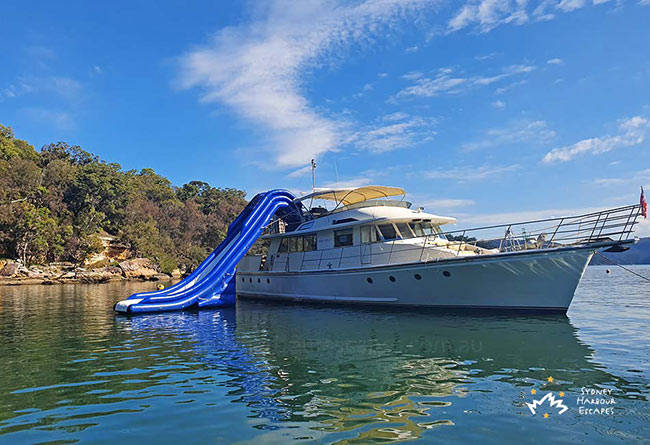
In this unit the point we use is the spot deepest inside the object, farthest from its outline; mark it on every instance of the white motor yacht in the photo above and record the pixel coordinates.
(372, 247)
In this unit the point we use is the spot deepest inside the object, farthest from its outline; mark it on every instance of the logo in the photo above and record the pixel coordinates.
(550, 399)
(592, 401)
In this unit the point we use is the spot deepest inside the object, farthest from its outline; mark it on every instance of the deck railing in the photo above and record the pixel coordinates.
(615, 224)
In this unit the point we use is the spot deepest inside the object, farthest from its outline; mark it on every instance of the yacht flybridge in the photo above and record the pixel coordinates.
(367, 245)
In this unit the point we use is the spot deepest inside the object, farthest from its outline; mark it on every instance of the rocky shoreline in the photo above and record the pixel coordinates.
(14, 273)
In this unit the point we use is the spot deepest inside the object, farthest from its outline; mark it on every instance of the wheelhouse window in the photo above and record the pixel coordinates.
(424, 228)
(404, 230)
(369, 235)
(388, 231)
(343, 238)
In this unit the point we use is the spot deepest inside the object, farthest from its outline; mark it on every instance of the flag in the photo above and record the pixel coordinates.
(644, 205)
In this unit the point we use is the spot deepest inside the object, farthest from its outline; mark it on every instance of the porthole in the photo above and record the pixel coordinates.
(369, 280)
(268, 281)
(392, 279)
(446, 273)
(259, 281)
(250, 280)
(418, 276)
(243, 280)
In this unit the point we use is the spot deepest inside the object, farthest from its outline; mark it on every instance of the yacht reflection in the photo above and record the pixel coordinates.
(372, 374)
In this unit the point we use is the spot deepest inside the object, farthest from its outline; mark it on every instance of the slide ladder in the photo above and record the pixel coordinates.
(213, 283)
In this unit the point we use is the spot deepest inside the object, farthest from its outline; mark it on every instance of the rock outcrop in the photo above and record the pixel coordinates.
(139, 268)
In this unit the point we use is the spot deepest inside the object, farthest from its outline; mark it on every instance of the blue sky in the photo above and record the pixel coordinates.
(487, 110)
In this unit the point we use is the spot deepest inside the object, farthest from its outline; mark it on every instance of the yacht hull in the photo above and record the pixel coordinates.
(541, 281)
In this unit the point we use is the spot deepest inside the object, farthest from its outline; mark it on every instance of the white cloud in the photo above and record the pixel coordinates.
(555, 61)
(398, 115)
(641, 177)
(499, 104)
(523, 131)
(65, 87)
(502, 90)
(470, 174)
(571, 5)
(485, 15)
(257, 68)
(446, 203)
(299, 172)
(60, 120)
(401, 131)
(524, 215)
(353, 182)
(631, 132)
(488, 14)
(446, 81)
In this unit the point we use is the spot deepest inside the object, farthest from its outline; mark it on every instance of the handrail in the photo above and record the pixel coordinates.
(568, 231)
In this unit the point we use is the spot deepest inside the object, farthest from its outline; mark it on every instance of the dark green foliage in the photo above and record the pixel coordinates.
(53, 204)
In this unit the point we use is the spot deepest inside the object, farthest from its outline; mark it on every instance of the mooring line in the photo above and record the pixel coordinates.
(624, 268)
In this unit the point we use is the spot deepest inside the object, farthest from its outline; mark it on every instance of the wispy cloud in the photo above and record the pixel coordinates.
(447, 81)
(353, 182)
(470, 174)
(517, 132)
(631, 132)
(257, 68)
(485, 15)
(396, 131)
(60, 120)
(64, 87)
(641, 177)
(434, 204)
(488, 14)
(555, 61)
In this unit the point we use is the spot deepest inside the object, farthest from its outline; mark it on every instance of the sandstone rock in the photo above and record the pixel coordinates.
(10, 270)
(113, 270)
(138, 268)
(94, 277)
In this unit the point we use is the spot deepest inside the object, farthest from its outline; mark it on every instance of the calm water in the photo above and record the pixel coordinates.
(71, 370)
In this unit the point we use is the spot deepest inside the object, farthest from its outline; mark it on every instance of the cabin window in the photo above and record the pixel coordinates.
(388, 231)
(343, 238)
(404, 230)
(369, 234)
(295, 244)
(309, 243)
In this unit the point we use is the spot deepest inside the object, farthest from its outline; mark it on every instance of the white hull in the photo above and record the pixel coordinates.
(534, 280)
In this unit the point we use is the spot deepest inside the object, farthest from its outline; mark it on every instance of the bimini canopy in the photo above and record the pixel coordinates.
(353, 195)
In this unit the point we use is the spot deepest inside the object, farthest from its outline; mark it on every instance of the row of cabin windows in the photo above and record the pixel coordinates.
(305, 243)
(394, 231)
(369, 234)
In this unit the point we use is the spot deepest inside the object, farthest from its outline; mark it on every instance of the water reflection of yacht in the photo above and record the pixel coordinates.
(350, 373)
(372, 248)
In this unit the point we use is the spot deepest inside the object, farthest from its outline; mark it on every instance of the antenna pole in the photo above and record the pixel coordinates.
(313, 175)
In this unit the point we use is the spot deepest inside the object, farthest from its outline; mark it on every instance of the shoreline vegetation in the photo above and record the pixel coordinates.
(68, 216)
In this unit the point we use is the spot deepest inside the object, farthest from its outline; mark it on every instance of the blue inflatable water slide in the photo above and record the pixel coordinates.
(212, 284)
